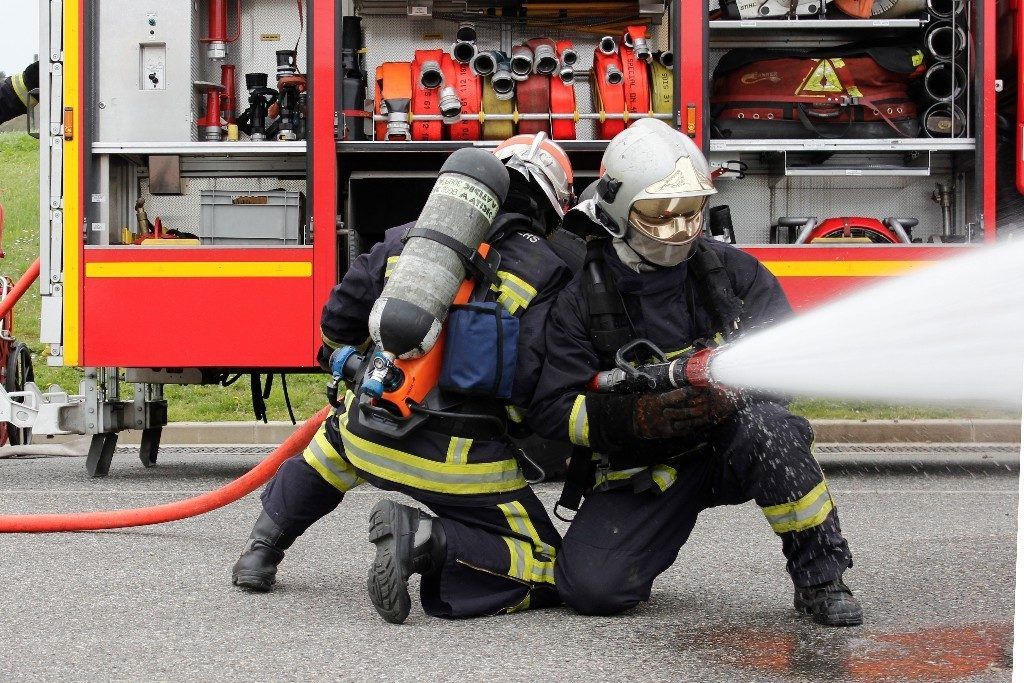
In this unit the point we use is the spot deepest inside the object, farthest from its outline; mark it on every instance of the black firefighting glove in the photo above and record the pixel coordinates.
(679, 413)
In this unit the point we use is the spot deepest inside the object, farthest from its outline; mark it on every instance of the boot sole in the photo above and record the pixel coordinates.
(849, 619)
(389, 590)
(253, 582)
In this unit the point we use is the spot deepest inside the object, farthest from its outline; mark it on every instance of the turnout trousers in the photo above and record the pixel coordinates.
(500, 553)
(622, 539)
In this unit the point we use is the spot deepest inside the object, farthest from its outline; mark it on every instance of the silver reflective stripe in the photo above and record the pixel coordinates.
(356, 452)
(348, 479)
(517, 558)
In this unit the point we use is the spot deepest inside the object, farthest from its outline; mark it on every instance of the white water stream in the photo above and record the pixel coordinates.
(951, 334)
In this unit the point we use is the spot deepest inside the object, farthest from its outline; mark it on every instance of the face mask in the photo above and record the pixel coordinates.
(658, 253)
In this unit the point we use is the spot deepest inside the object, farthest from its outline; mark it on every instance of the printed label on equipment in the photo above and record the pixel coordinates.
(270, 37)
(99, 198)
(470, 193)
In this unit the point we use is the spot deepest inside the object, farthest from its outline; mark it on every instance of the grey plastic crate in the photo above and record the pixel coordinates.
(268, 218)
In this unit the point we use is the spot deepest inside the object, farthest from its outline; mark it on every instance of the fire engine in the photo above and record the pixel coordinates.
(209, 168)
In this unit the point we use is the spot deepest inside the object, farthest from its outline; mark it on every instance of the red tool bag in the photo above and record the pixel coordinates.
(849, 91)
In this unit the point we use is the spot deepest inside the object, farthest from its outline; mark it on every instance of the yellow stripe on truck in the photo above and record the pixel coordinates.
(842, 268)
(196, 269)
(72, 183)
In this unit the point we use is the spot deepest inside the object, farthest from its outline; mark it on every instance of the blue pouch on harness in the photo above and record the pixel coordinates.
(481, 346)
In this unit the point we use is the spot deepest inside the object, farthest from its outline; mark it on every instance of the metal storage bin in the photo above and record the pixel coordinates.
(268, 218)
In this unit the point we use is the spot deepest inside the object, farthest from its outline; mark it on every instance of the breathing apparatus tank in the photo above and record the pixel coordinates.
(406, 320)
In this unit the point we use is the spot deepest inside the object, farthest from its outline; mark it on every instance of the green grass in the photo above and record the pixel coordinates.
(19, 172)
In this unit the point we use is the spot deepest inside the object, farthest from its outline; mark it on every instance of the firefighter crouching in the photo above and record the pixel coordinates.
(654, 461)
(491, 547)
(15, 93)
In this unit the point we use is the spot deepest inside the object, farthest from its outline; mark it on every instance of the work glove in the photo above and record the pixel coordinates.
(679, 413)
(722, 403)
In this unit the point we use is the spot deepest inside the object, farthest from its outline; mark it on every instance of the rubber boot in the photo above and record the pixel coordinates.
(409, 541)
(256, 569)
(831, 604)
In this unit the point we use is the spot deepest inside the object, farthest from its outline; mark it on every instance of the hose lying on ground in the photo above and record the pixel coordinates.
(170, 512)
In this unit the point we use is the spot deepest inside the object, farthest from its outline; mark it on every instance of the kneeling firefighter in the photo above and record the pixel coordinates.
(652, 288)
(491, 547)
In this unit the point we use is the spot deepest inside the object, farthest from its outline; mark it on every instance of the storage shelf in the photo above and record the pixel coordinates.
(445, 146)
(811, 24)
(201, 148)
(847, 145)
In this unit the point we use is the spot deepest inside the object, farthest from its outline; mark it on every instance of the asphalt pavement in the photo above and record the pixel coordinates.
(934, 542)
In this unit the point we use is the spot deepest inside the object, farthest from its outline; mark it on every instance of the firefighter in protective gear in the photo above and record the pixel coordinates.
(491, 546)
(16, 93)
(654, 461)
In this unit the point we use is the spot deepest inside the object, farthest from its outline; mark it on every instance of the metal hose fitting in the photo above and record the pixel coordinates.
(431, 75)
(608, 46)
(450, 105)
(522, 62)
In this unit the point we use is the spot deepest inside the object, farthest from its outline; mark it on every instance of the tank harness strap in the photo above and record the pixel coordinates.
(716, 288)
(608, 323)
(481, 269)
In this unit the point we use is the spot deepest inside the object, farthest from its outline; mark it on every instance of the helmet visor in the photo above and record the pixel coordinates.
(672, 220)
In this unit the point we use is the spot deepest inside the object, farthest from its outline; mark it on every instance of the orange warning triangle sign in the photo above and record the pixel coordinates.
(822, 79)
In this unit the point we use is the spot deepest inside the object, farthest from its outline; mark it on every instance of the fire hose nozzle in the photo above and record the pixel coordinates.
(450, 105)
(464, 52)
(688, 369)
(608, 46)
(613, 74)
(466, 32)
(521, 63)
(485, 63)
(431, 75)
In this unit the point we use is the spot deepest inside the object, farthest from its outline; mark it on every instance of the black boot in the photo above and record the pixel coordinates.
(257, 567)
(831, 604)
(409, 541)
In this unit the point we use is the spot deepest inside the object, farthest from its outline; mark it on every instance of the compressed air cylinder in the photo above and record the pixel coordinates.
(406, 320)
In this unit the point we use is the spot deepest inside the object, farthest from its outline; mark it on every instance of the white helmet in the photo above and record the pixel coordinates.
(654, 187)
(542, 162)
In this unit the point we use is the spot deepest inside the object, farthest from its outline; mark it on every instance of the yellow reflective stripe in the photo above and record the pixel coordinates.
(524, 605)
(517, 558)
(458, 450)
(515, 414)
(616, 475)
(808, 511)
(325, 459)
(390, 267)
(663, 476)
(535, 569)
(429, 475)
(18, 81)
(672, 354)
(579, 424)
(514, 292)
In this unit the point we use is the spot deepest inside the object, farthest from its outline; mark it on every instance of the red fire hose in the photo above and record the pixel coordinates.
(170, 512)
(19, 289)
